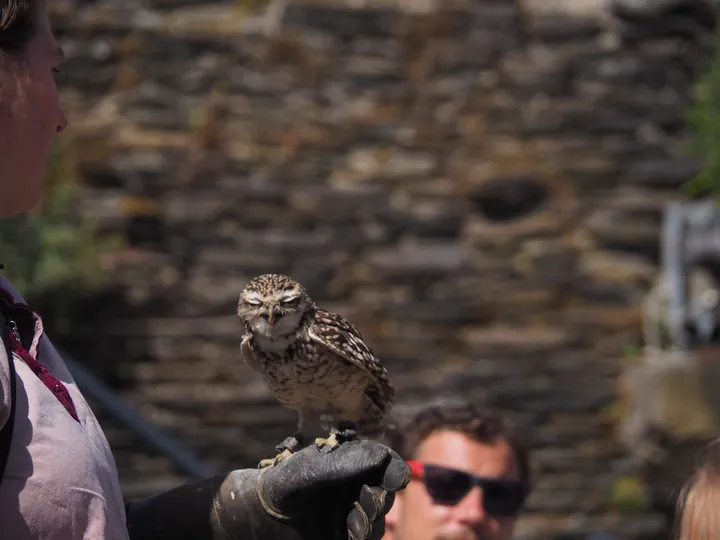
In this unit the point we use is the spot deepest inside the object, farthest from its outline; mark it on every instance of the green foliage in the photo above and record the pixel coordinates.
(704, 119)
(249, 6)
(54, 251)
(629, 495)
(631, 352)
(614, 412)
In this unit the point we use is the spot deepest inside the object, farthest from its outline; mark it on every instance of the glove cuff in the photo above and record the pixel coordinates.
(267, 505)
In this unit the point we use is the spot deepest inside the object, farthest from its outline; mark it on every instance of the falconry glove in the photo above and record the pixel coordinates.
(311, 495)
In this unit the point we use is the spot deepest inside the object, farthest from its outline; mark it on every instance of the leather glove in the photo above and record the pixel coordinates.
(343, 494)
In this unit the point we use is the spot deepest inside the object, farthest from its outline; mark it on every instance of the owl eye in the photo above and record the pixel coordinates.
(290, 300)
(253, 302)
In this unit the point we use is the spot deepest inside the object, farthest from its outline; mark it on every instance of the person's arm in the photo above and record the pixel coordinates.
(310, 495)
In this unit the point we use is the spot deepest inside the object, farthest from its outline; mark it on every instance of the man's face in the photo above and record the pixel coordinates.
(415, 516)
(30, 116)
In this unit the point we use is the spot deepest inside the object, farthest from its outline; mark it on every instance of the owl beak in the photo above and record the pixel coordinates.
(271, 317)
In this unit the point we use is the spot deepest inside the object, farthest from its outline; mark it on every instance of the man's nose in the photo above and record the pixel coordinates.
(470, 510)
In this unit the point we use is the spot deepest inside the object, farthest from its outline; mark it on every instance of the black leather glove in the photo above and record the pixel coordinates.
(343, 494)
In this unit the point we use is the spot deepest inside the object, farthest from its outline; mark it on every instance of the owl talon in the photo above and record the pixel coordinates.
(271, 462)
(327, 445)
(286, 448)
(336, 438)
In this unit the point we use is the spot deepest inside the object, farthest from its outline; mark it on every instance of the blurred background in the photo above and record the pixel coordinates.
(481, 186)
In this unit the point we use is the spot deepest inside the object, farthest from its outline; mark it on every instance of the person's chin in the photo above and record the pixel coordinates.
(460, 534)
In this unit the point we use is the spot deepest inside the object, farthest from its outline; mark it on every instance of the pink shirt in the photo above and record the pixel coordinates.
(61, 482)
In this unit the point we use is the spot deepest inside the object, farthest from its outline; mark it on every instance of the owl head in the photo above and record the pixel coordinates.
(274, 306)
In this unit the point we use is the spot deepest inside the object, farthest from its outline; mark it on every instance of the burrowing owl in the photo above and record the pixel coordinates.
(314, 361)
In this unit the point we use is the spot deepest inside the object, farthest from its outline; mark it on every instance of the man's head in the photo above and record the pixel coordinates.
(471, 475)
(30, 112)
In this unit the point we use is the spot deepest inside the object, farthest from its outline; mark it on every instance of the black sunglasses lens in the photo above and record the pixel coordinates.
(502, 498)
(446, 486)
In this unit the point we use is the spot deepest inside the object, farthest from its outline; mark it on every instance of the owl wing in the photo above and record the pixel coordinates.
(345, 341)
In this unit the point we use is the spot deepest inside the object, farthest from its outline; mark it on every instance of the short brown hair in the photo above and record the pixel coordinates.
(17, 24)
(479, 422)
(700, 499)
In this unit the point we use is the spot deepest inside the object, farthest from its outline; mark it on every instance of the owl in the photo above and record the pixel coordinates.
(313, 361)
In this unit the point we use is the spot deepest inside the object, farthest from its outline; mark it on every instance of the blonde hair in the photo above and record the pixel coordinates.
(699, 501)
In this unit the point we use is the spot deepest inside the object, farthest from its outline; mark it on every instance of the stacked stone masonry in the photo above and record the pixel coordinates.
(478, 185)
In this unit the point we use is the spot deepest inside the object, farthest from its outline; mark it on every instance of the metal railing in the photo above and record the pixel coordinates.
(174, 450)
(691, 234)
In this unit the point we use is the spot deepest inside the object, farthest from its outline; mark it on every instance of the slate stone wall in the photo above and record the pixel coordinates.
(478, 186)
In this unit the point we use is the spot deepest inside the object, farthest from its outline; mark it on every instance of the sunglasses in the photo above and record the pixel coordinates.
(449, 486)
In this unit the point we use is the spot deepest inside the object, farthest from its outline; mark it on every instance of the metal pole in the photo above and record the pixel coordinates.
(673, 265)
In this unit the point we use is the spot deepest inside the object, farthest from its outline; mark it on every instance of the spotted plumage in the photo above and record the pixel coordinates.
(313, 361)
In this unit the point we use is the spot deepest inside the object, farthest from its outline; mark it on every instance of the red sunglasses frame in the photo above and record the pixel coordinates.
(417, 468)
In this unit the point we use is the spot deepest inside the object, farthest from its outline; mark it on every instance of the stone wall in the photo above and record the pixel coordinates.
(479, 187)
